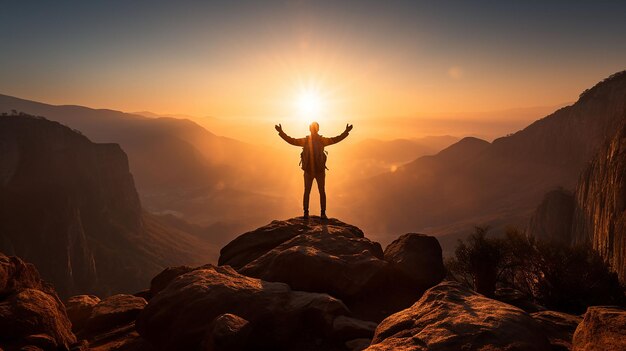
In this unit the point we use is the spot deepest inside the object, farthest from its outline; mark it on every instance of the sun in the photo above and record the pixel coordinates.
(309, 104)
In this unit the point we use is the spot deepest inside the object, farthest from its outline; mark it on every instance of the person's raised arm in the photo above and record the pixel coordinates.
(338, 138)
(287, 138)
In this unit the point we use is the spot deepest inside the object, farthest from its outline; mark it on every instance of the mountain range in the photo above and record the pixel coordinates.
(498, 184)
(216, 186)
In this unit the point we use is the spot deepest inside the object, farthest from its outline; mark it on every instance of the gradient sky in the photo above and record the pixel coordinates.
(371, 59)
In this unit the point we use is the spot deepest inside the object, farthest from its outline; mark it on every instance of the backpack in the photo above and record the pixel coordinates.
(313, 157)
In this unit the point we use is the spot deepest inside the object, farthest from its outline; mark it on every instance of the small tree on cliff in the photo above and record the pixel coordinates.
(480, 262)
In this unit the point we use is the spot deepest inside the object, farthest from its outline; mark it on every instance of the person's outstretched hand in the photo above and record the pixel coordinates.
(279, 128)
(348, 127)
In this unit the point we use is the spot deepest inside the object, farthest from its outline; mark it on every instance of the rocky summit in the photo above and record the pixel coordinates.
(335, 258)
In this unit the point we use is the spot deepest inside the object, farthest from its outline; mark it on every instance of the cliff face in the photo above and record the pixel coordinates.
(600, 214)
(70, 206)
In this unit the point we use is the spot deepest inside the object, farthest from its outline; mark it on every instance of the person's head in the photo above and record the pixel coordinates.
(314, 128)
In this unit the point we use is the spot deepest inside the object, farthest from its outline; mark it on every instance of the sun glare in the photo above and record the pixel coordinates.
(309, 104)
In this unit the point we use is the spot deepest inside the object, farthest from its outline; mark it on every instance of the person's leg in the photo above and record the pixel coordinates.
(321, 186)
(308, 183)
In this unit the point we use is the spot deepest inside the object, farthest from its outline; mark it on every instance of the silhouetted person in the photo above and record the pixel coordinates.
(313, 161)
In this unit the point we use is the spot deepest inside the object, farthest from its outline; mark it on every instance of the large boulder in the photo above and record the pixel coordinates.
(559, 327)
(450, 316)
(333, 257)
(227, 332)
(34, 312)
(161, 280)
(418, 257)
(602, 328)
(194, 304)
(16, 275)
(114, 311)
(339, 265)
(346, 328)
(79, 309)
(31, 314)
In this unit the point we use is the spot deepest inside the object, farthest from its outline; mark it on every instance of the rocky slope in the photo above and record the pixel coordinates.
(70, 206)
(497, 183)
(216, 308)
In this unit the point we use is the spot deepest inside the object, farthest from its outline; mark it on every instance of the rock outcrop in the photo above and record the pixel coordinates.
(70, 207)
(600, 214)
(418, 258)
(31, 314)
(329, 256)
(603, 328)
(451, 317)
(216, 305)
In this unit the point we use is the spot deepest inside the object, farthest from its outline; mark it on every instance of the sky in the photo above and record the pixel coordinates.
(380, 61)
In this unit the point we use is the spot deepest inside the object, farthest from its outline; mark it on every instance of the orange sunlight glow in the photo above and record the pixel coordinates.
(311, 103)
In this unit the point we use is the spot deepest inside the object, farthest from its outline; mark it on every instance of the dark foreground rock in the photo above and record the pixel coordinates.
(329, 256)
(418, 257)
(451, 317)
(214, 306)
(602, 328)
(31, 314)
(559, 327)
(114, 311)
(79, 309)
